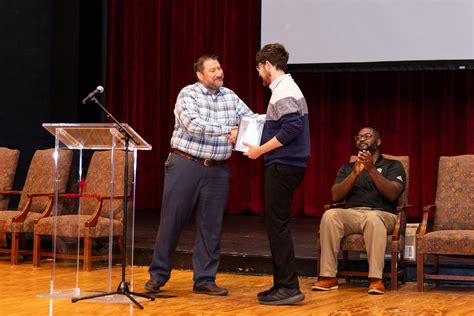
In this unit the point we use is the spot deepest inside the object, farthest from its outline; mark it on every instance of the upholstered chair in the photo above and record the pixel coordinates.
(94, 218)
(453, 224)
(8, 164)
(395, 240)
(35, 197)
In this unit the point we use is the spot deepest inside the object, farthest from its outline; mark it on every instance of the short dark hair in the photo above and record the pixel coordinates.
(275, 53)
(198, 64)
(376, 133)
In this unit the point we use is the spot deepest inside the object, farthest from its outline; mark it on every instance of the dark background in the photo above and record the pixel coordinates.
(55, 52)
(51, 56)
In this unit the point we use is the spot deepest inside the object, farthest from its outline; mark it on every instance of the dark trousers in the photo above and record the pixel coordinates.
(281, 182)
(189, 185)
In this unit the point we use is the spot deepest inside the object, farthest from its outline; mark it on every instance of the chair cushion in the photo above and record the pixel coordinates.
(72, 225)
(6, 224)
(355, 242)
(447, 242)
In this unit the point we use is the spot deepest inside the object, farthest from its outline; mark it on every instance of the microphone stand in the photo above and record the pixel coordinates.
(123, 287)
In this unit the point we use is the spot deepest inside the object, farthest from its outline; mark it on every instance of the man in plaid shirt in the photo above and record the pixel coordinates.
(197, 175)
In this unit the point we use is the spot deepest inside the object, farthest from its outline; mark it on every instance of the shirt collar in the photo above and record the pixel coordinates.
(277, 81)
(380, 160)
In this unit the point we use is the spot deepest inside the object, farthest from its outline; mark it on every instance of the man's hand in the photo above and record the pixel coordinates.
(365, 157)
(254, 151)
(232, 137)
(358, 167)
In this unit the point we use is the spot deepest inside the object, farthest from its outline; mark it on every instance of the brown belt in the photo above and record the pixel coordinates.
(205, 162)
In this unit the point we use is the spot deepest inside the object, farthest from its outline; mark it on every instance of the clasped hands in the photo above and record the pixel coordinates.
(363, 161)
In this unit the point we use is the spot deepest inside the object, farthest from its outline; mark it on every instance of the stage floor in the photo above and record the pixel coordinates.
(245, 247)
(241, 234)
(244, 243)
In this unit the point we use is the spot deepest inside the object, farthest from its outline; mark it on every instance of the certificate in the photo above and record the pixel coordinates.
(250, 132)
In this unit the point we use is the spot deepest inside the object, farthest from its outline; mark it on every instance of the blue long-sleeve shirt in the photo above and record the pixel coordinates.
(287, 120)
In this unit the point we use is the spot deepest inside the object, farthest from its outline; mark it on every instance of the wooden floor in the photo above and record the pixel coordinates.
(20, 286)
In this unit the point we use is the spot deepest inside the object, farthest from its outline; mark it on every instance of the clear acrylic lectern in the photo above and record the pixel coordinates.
(87, 222)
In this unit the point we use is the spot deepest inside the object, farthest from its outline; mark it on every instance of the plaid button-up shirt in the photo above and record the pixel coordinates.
(203, 120)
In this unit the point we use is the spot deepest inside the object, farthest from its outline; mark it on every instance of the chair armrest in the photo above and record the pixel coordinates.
(92, 221)
(398, 224)
(40, 194)
(10, 192)
(404, 207)
(47, 210)
(20, 218)
(424, 223)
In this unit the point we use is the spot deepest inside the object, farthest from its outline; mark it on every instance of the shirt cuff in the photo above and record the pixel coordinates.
(226, 130)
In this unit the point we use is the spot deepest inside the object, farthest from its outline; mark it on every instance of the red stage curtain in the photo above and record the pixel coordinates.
(153, 44)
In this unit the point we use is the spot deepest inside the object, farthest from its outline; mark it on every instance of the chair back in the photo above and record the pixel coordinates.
(405, 160)
(99, 178)
(455, 194)
(41, 177)
(8, 164)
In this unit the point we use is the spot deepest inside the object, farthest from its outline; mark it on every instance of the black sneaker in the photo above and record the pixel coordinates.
(266, 292)
(210, 289)
(153, 286)
(282, 296)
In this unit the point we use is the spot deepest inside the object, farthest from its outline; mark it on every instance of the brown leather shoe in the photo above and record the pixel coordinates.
(325, 284)
(376, 286)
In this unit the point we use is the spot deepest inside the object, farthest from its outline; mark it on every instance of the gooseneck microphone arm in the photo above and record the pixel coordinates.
(91, 97)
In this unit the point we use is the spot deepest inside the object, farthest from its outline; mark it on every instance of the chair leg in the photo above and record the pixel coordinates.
(394, 271)
(87, 253)
(420, 277)
(401, 267)
(318, 259)
(36, 250)
(3, 239)
(436, 268)
(14, 248)
(345, 264)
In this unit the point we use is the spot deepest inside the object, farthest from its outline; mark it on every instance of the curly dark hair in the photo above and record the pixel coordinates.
(275, 53)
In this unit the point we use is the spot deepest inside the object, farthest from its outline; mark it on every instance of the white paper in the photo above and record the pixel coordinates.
(250, 132)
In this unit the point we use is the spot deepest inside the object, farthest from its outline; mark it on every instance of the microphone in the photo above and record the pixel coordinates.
(91, 95)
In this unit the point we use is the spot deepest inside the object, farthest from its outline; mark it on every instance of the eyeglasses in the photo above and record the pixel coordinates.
(358, 138)
(260, 65)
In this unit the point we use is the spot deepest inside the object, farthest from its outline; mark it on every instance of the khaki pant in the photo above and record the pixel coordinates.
(337, 223)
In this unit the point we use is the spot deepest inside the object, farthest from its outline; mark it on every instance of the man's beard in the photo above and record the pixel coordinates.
(371, 148)
(216, 84)
(266, 79)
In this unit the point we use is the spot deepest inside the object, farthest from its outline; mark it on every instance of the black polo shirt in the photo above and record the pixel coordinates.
(364, 193)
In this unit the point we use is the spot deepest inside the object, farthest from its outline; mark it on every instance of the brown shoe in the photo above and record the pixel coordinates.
(376, 286)
(325, 284)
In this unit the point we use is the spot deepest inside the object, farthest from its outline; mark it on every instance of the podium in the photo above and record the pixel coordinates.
(92, 226)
